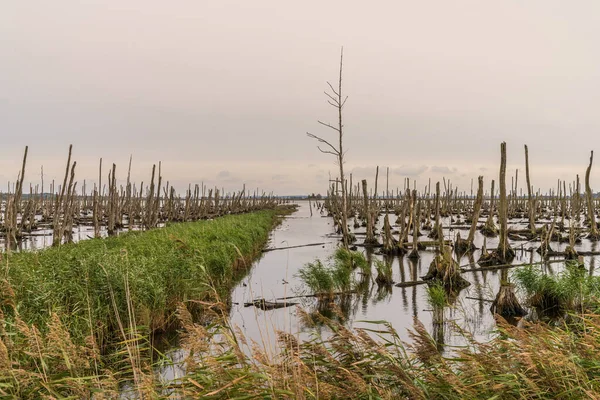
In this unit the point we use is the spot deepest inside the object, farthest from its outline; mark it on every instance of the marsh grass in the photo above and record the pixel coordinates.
(535, 361)
(572, 289)
(335, 276)
(384, 272)
(317, 277)
(351, 260)
(436, 295)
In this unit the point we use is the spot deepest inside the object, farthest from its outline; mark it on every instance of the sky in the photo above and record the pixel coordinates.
(223, 92)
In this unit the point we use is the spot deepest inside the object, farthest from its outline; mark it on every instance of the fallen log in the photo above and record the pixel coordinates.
(293, 247)
(268, 305)
(305, 296)
(480, 299)
(505, 266)
(409, 284)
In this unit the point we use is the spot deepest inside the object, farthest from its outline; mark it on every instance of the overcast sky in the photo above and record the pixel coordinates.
(225, 91)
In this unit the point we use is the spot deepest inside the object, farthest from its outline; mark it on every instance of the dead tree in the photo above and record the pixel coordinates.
(489, 229)
(336, 100)
(370, 239)
(530, 199)
(594, 234)
(504, 247)
(504, 254)
(436, 233)
(414, 254)
(67, 224)
(58, 226)
(96, 203)
(506, 302)
(446, 271)
(464, 246)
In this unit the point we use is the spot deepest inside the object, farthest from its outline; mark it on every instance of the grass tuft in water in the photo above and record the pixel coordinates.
(570, 290)
(436, 295)
(335, 276)
(384, 272)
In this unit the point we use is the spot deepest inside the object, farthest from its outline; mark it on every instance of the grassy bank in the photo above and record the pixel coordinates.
(66, 311)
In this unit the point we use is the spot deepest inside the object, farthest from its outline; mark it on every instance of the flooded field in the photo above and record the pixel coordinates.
(302, 238)
(273, 277)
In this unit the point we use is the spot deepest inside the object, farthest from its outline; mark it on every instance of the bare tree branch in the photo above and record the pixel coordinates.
(329, 126)
(333, 90)
(327, 151)
(336, 101)
(321, 140)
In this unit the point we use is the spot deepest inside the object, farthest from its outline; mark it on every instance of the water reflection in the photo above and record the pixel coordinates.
(593, 258)
(414, 264)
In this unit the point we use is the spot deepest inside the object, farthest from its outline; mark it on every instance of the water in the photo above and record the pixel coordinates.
(399, 306)
(274, 276)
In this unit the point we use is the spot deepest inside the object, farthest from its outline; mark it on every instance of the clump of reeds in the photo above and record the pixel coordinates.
(320, 278)
(351, 259)
(384, 272)
(37, 364)
(336, 275)
(572, 289)
(436, 295)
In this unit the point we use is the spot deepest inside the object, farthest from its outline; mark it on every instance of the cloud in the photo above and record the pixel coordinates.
(410, 170)
(364, 171)
(403, 170)
(443, 170)
(279, 177)
(224, 174)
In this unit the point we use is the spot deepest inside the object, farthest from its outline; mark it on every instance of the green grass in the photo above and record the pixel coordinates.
(152, 271)
(317, 277)
(351, 260)
(384, 272)
(573, 289)
(436, 295)
(335, 276)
